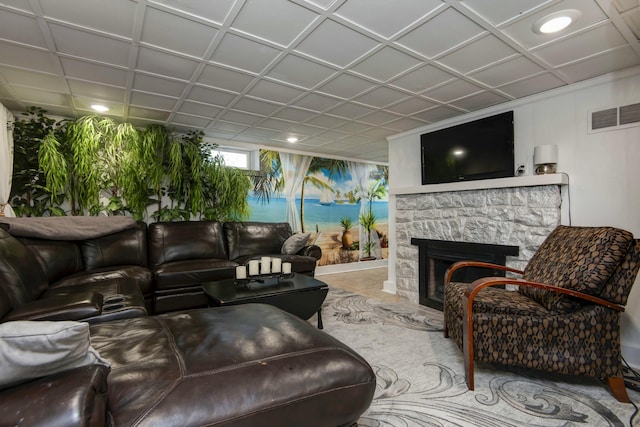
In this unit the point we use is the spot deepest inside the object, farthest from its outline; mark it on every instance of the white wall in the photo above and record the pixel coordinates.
(603, 167)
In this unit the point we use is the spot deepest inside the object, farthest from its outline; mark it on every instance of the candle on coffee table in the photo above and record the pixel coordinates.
(265, 265)
(254, 267)
(241, 272)
(276, 265)
(286, 267)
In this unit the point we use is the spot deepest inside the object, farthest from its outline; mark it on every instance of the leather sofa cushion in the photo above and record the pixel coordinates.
(245, 365)
(21, 276)
(177, 241)
(128, 247)
(177, 274)
(255, 238)
(141, 275)
(58, 258)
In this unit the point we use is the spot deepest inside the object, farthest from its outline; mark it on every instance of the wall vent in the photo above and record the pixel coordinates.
(614, 118)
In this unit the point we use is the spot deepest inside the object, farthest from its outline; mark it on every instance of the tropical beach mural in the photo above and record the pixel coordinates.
(343, 204)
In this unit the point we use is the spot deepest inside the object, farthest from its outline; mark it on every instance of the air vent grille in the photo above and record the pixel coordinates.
(630, 114)
(614, 118)
(604, 118)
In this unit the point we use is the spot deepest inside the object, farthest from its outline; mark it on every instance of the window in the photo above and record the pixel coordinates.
(236, 159)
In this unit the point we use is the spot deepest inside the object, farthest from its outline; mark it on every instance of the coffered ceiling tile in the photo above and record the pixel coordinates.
(427, 39)
(83, 105)
(32, 96)
(350, 110)
(601, 64)
(346, 86)
(410, 106)
(507, 71)
(354, 127)
(96, 91)
(403, 124)
(294, 114)
(142, 99)
(333, 135)
(156, 62)
(380, 132)
(305, 129)
(261, 133)
(256, 106)
(381, 96)
(506, 11)
(27, 58)
(199, 109)
(242, 53)
(453, 90)
(276, 124)
(522, 30)
(434, 114)
(317, 102)
(210, 96)
(192, 39)
(479, 101)
(264, 20)
(34, 79)
(94, 72)
(18, 4)
(116, 18)
(21, 29)
(276, 92)
(378, 118)
(573, 48)
(86, 45)
(241, 117)
(632, 19)
(325, 121)
(199, 8)
(322, 42)
(230, 127)
(385, 64)
(222, 78)
(479, 53)
(422, 79)
(532, 85)
(150, 83)
(384, 17)
(198, 122)
(300, 72)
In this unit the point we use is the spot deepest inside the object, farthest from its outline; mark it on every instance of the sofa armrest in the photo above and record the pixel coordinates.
(311, 250)
(77, 397)
(77, 306)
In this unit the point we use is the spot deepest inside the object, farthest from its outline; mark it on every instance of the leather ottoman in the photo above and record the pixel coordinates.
(243, 365)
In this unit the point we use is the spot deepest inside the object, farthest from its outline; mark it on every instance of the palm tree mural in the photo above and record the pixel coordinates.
(271, 179)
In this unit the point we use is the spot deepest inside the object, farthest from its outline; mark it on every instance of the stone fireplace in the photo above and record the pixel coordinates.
(513, 216)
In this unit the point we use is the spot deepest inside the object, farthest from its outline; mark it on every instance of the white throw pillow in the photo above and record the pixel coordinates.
(294, 243)
(34, 349)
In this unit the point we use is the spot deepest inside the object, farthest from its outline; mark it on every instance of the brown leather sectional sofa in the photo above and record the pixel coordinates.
(244, 365)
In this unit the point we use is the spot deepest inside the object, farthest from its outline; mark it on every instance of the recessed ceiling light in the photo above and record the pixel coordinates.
(100, 108)
(292, 139)
(556, 21)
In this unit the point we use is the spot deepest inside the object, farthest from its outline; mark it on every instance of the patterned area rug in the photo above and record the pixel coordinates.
(420, 376)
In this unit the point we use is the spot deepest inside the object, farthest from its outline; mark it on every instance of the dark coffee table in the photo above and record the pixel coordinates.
(301, 295)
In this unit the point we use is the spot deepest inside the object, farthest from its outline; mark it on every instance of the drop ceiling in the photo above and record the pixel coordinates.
(341, 75)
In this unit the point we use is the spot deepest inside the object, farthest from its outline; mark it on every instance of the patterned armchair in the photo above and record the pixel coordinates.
(565, 315)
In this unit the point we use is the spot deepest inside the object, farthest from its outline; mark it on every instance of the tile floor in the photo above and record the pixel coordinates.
(364, 282)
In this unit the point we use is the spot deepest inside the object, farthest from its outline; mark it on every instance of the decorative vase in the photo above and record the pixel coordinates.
(347, 240)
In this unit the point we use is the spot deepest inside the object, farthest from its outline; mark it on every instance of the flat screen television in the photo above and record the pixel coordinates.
(481, 149)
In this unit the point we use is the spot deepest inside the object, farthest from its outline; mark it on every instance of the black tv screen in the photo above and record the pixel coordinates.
(481, 149)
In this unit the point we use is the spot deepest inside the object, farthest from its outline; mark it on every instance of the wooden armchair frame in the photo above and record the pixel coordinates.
(616, 384)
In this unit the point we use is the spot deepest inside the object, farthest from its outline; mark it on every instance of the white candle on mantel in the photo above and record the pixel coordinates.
(254, 267)
(241, 272)
(265, 265)
(276, 265)
(286, 267)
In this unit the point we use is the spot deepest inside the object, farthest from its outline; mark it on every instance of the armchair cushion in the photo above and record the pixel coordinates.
(578, 258)
(30, 349)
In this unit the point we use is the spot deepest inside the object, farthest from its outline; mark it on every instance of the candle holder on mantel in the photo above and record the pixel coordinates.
(262, 271)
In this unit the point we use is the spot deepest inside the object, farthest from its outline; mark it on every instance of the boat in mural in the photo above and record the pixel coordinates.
(325, 197)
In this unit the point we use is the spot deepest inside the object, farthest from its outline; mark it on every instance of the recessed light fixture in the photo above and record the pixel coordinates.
(292, 139)
(100, 108)
(556, 21)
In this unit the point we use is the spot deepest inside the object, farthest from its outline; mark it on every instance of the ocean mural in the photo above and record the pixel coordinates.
(321, 194)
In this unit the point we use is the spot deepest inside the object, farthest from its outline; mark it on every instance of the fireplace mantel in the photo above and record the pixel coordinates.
(520, 181)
